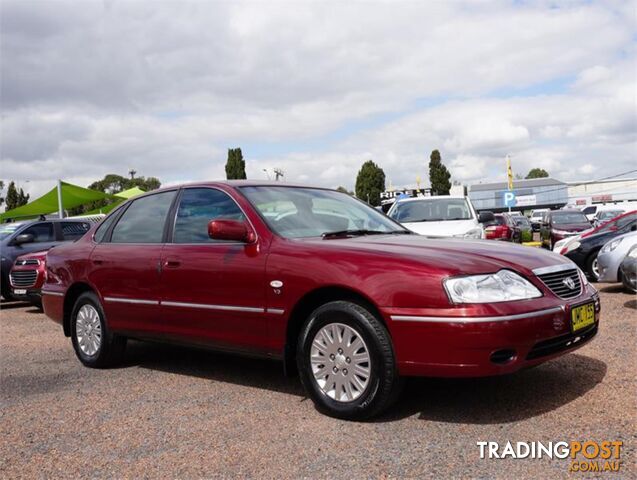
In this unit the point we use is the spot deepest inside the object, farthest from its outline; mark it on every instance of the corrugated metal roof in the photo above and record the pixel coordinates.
(533, 182)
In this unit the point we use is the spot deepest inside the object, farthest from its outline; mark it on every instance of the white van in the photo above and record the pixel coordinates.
(440, 216)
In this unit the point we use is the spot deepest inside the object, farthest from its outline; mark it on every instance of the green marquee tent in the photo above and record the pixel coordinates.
(72, 196)
(125, 195)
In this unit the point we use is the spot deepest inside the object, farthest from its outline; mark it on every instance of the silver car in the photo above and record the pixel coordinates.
(612, 254)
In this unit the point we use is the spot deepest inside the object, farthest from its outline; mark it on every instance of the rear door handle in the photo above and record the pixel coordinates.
(97, 261)
(172, 263)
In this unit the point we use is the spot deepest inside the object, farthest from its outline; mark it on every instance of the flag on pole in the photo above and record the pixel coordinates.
(509, 173)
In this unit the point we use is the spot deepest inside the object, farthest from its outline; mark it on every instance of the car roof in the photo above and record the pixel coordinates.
(432, 197)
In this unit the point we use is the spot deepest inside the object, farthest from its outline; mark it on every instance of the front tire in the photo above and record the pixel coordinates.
(592, 267)
(95, 345)
(346, 361)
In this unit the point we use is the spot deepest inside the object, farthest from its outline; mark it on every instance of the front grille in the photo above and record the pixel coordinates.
(28, 261)
(563, 342)
(23, 278)
(558, 282)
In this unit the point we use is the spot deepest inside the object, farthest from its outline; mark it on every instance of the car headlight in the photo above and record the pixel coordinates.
(632, 253)
(583, 277)
(612, 245)
(503, 286)
(473, 233)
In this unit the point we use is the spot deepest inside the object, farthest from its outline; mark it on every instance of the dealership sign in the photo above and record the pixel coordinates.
(526, 201)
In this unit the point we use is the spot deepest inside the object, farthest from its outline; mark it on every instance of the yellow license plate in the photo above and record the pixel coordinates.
(582, 316)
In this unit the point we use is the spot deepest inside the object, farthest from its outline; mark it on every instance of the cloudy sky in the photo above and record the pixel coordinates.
(89, 88)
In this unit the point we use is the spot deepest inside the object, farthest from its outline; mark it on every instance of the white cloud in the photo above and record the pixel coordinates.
(92, 88)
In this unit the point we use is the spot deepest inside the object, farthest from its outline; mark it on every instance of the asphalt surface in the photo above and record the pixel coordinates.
(179, 413)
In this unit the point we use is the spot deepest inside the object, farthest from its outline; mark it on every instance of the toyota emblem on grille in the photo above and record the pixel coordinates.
(569, 283)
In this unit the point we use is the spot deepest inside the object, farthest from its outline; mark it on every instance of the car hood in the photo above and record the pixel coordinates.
(455, 256)
(572, 227)
(445, 228)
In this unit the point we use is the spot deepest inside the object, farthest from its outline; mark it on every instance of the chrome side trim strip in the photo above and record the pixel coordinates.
(231, 308)
(501, 318)
(554, 268)
(131, 300)
(53, 294)
(276, 311)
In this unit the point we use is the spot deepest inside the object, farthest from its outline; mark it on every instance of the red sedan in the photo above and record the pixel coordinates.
(318, 279)
(27, 277)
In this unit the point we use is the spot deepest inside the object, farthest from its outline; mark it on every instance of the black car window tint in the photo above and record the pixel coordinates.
(196, 208)
(42, 232)
(74, 230)
(144, 220)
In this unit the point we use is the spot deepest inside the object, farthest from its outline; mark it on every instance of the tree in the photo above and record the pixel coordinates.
(1, 190)
(537, 173)
(113, 183)
(13, 197)
(438, 175)
(344, 190)
(370, 182)
(22, 198)
(235, 166)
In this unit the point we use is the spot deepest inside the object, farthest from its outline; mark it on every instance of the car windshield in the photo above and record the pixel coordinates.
(8, 229)
(520, 221)
(563, 218)
(297, 212)
(431, 210)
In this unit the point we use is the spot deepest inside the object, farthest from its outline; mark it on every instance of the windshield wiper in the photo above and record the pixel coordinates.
(343, 233)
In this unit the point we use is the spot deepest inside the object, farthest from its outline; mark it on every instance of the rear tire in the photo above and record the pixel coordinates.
(346, 361)
(95, 345)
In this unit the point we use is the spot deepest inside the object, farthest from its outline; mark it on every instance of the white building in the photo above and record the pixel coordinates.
(602, 191)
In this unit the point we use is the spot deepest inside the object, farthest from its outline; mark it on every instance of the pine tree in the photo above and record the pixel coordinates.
(438, 175)
(235, 166)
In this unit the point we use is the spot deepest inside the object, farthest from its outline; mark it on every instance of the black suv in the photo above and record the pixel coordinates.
(31, 236)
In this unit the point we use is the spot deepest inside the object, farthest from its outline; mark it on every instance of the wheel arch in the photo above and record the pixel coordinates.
(307, 304)
(72, 294)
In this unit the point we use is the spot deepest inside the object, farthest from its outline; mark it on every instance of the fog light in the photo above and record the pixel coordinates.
(503, 356)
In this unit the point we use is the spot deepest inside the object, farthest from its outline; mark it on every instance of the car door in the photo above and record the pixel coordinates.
(125, 264)
(212, 291)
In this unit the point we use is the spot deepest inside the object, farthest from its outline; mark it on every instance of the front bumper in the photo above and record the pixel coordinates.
(608, 267)
(485, 346)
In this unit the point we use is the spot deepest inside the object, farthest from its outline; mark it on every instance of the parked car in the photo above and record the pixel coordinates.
(536, 218)
(338, 291)
(26, 237)
(27, 277)
(604, 216)
(611, 256)
(613, 225)
(510, 228)
(629, 270)
(560, 224)
(440, 216)
(524, 226)
(585, 251)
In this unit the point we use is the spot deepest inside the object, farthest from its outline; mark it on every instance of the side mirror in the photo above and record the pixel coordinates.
(231, 230)
(23, 238)
(486, 217)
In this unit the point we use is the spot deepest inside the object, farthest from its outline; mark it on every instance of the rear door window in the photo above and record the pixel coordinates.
(42, 232)
(196, 208)
(144, 220)
(74, 230)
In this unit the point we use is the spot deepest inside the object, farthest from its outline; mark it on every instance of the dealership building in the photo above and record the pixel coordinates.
(532, 193)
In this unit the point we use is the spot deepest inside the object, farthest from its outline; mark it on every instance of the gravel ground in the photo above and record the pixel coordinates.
(174, 412)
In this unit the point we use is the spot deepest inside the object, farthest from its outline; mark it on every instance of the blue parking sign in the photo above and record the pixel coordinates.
(509, 199)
